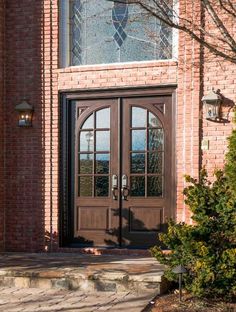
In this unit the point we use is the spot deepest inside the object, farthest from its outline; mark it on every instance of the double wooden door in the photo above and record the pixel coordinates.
(123, 171)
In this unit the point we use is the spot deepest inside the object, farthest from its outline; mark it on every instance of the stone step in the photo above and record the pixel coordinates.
(82, 273)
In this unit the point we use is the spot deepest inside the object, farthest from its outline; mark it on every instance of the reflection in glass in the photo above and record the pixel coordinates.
(156, 139)
(103, 118)
(101, 186)
(88, 124)
(86, 141)
(103, 141)
(86, 163)
(137, 186)
(139, 117)
(137, 163)
(153, 121)
(138, 140)
(108, 32)
(102, 163)
(154, 186)
(155, 162)
(85, 186)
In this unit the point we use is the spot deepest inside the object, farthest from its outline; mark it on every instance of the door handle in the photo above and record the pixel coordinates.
(124, 189)
(114, 186)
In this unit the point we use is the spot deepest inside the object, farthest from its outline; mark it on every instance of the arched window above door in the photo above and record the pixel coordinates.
(102, 32)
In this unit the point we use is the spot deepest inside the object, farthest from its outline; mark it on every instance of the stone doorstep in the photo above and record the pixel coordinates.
(96, 281)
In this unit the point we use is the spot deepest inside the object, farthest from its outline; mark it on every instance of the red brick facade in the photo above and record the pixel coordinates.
(2, 203)
(29, 158)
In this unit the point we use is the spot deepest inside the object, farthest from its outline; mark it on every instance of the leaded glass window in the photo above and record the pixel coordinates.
(110, 32)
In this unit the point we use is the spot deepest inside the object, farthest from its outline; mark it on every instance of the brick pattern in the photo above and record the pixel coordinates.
(188, 108)
(219, 74)
(120, 75)
(32, 155)
(26, 149)
(51, 122)
(198, 72)
(2, 204)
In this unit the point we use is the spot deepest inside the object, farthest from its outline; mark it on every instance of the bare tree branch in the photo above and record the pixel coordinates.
(216, 42)
(219, 24)
(229, 11)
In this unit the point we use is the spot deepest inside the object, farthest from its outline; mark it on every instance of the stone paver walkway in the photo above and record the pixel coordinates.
(50, 300)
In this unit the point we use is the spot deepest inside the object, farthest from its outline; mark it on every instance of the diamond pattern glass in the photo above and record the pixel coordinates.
(107, 32)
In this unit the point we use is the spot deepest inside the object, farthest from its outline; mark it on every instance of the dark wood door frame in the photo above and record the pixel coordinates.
(67, 123)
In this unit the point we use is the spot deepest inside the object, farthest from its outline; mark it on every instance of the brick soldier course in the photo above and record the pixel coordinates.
(29, 158)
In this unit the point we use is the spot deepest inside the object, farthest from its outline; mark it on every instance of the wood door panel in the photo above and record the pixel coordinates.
(93, 218)
(145, 219)
(148, 205)
(141, 148)
(96, 215)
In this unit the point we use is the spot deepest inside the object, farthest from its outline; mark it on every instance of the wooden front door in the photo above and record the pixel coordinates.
(123, 170)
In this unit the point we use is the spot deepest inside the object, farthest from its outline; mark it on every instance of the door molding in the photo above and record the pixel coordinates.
(67, 123)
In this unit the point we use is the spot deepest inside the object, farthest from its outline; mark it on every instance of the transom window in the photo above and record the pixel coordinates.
(102, 31)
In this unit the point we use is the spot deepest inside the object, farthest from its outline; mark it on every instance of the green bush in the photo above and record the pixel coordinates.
(207, 248)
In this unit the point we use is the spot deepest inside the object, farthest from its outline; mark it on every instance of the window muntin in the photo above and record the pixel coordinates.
(146, 154)
(110, 32)
(94, 155)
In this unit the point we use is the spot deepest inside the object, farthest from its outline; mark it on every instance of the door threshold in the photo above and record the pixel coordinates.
(97, 251)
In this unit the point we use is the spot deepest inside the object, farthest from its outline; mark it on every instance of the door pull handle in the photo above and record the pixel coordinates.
(114, 187)
(124, 189)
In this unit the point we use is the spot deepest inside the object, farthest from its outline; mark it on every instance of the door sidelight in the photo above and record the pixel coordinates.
(114, 186)
(124, 189)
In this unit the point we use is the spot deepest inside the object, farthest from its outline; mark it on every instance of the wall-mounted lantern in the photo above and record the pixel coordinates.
(25, 114)
(212, 102)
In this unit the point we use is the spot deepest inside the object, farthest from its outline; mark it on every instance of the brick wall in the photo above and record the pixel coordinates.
(1, 125)
(31, 162)
(119, 75)
(27, 188)
(32, 155)
(51, 122)
(219, 74)
(188, 108)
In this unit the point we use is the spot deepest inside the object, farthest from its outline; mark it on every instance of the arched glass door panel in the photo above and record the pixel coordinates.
(94, 155)
(146, 153)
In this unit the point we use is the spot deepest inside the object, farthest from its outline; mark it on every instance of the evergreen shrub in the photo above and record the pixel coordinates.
(208, 247)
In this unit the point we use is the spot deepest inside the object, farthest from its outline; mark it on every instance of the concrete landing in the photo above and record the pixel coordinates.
(80, 272)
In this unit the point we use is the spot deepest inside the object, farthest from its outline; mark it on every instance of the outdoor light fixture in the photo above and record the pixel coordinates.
(212, 102)
(25, 114)
(180, 269)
